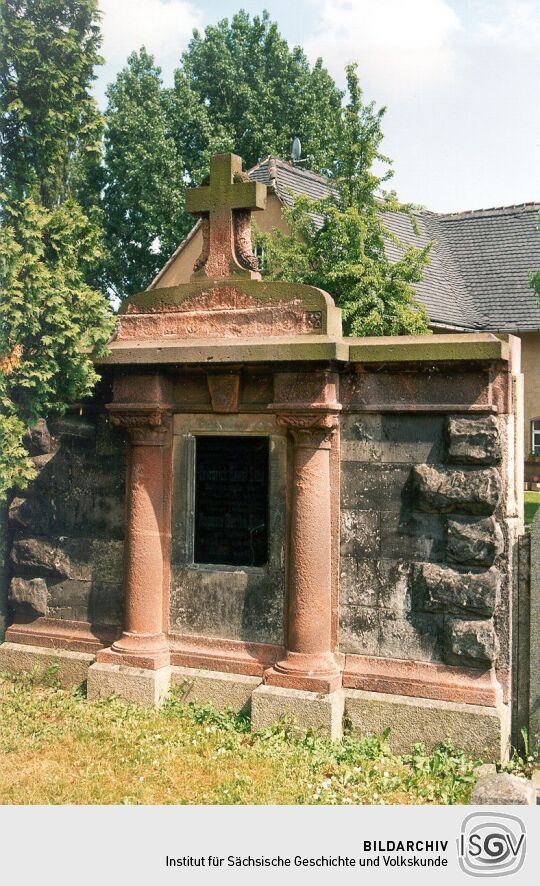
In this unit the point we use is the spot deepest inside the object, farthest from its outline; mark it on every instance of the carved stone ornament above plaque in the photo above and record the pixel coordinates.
(224, 391)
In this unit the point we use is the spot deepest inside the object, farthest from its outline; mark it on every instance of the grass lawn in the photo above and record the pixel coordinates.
(58, 748)
(532, 503)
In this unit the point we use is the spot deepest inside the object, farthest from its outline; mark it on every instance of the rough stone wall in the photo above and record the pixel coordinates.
(424, 572)
(67, 527)
(4, 569)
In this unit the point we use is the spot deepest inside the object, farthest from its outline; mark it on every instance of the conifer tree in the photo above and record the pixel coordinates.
(49, 117)
(52, 321)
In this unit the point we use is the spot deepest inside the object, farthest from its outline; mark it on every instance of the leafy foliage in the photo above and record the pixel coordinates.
(535, 282)
(48, 117)
(339, 243)
(239, 87)
(144, 193)
(255, 94)
(51, 321)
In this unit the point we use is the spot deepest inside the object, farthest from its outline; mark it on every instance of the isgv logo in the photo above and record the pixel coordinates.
(491, 844)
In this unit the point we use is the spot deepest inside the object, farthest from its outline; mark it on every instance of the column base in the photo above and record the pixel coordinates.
(311, 673)
(309, 710)
(138, 685)
(137, 651)
(482, 732)
(66, 668)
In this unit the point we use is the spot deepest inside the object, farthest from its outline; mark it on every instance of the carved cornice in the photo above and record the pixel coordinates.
(146, 425)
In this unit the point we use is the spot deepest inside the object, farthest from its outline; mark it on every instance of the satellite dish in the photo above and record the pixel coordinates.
(296, 150)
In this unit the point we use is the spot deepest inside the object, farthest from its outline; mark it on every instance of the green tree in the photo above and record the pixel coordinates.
(144, 191)
(254, 93)
(347, 254)
(52, 321)
(239, 87)
(535, 282)
(49, 122)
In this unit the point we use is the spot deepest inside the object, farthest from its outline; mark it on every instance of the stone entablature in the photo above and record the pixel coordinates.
(393, 506)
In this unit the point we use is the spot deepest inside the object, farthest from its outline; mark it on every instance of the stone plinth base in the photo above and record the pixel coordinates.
(482, 732)
(309, 710)
(137, 685)
(70, 668)
(222, 690)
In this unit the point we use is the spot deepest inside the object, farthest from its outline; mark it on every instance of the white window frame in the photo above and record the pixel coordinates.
(535, 436)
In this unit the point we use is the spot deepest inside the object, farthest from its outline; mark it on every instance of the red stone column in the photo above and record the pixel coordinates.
(143, 643)
(309, 662)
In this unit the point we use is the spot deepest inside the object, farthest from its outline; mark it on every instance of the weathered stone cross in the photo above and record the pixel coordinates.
(226, 206)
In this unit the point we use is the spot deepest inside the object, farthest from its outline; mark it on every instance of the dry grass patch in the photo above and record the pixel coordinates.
(59, 748)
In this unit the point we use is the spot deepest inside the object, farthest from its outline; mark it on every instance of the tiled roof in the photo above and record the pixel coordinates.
(288, 180)
(496, 250)
(480, 262)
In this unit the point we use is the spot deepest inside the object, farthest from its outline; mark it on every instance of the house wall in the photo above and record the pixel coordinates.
(181, 268)
(530, 364)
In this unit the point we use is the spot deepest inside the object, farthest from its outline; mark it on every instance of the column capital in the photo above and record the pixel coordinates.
(146, 425)
(310, 430)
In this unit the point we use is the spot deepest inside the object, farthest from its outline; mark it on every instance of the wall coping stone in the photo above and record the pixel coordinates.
(474, 347)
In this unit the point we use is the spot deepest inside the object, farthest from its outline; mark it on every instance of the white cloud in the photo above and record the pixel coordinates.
(402, 46)
(510, 23)
(162, 26)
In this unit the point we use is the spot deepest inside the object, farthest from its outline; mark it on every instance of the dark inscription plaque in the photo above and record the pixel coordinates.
(231, 500)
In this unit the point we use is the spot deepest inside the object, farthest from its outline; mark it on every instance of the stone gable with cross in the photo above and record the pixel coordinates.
(226, 298)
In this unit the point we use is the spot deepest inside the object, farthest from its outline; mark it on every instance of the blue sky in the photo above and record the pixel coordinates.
(460, 80)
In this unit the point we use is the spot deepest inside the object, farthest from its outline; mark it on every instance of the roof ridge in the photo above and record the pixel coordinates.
(308, 173)
(530, 206)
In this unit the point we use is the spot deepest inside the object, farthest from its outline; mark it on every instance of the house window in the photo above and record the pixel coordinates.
(535, 436)
(231, 500)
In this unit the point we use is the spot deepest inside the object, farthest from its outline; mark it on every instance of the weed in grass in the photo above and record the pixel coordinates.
(522, 762)
(59, 748)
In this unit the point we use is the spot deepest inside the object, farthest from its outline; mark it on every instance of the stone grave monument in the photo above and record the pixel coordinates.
(269, 515)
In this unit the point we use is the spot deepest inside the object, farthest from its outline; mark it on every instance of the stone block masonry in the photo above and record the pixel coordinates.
(430, 558)
(66, 530)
